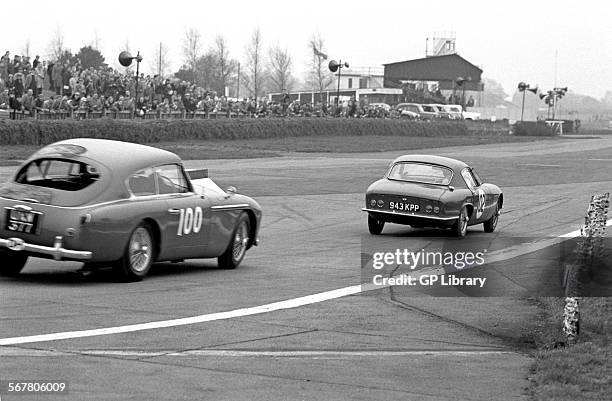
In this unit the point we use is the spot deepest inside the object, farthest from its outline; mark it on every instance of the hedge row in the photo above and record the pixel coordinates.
(34, 132)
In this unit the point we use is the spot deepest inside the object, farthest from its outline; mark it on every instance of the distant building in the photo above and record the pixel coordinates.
(363, 83)
(449, 74)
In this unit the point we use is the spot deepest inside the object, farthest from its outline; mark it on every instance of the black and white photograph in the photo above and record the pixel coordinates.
(306, 201)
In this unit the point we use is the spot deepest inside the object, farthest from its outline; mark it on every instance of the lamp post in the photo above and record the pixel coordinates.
(125, 59)
(337, 66)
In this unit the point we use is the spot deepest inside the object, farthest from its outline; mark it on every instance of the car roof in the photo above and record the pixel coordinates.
(125, 156)
(432, 159)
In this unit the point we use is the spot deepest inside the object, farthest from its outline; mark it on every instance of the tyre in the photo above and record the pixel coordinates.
(138, 255)
(238, 245)
(375, 226)
(460, 227)
(489, 225)
(12, 263)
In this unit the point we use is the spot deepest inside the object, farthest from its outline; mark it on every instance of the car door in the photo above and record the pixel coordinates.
(481, 197)
(488, 195)
(186, 227)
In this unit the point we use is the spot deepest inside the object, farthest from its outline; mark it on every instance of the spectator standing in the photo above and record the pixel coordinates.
(36, 62)
(30, 82)
(57, 75)
(27, 101)
(19, 85)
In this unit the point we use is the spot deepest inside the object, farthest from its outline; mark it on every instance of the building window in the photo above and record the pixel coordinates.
(350, 83)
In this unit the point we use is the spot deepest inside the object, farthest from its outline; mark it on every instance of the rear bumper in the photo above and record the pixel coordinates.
(57, 251)
(416, 219)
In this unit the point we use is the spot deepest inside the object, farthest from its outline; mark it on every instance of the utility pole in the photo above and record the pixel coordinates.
(159, 64)
(238, 82)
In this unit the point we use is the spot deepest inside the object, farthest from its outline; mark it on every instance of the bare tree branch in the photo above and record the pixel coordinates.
(254, 76)
(280, 67)
(192, 49)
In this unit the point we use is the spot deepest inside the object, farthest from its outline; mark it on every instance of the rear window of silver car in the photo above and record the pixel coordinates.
(421, 172)
(62, 174)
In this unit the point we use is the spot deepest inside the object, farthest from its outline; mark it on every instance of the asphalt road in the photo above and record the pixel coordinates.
(382, 344)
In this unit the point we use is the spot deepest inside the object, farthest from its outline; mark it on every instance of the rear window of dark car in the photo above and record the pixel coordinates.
(62, 174)
(420, 172)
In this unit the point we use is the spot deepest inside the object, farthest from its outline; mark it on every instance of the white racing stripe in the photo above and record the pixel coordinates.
(494, 256)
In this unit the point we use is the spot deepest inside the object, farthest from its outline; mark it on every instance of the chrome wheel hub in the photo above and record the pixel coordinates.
(140, 250)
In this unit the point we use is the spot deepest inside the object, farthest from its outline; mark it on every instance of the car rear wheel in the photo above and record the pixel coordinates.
(460, 227)
(238, 245)
(489, 225)
(12, 263)
(138, 255)
(375, 226)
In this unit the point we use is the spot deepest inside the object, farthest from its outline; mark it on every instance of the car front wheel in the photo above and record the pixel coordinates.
(460, 227)
(12, 263)
(238, 245)
(375, 226)
(138, 255)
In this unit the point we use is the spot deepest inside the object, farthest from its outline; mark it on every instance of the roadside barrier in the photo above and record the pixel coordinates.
(589, 249)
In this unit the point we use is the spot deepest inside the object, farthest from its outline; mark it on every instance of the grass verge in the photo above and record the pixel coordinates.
(580, 372)
(270, 147)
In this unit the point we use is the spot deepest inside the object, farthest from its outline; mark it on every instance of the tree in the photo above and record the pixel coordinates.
(90, 57)
(160, 62)
(205, 67)
(26, 48)
(492, 87)
(254, 76)
(279, 67)
(319, 77)
(192, 49)
(225, 66)
(56, 45)
(95, 43)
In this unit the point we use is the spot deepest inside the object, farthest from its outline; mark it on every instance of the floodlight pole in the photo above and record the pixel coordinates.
(338, 90)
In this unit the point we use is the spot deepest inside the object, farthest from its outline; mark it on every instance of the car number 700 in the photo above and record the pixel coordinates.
(190, 221)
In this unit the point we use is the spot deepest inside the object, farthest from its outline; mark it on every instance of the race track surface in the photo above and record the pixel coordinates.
(382, 344)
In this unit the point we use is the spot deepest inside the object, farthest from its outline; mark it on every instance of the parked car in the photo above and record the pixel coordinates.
(425, 111)
(457, 111)
(407, 111)
(432, 191)
(115, 203)
(446, 114)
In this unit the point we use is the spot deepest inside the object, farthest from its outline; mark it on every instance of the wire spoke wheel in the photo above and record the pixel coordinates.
(239, 244)
(140, 249)
(241, 241)
(138, 255)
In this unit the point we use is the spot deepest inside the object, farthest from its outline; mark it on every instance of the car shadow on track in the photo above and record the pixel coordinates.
(106, 274)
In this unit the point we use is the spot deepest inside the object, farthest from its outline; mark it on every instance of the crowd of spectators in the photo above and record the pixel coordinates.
(32, 87)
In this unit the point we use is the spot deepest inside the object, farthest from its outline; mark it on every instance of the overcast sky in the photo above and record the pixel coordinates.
(511, 41)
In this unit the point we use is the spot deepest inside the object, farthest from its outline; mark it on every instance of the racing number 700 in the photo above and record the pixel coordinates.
(189, 221)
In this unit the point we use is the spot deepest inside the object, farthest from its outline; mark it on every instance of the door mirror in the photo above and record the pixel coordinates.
(231, 190)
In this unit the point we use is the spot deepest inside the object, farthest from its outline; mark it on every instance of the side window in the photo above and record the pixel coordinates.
(469, 180)
(476, 177)
(142, 183)
(171, 180)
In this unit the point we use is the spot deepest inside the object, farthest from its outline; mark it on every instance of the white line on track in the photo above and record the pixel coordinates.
(494, 256)
(540, 165)
(246, 353)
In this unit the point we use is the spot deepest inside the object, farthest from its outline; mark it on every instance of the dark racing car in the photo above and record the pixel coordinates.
(432, 191)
